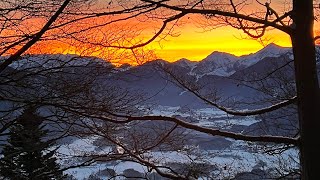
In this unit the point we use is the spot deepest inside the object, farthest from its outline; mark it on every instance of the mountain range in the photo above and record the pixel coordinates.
(246, 82)
(222, 74)
(227, 75)
(224, 64)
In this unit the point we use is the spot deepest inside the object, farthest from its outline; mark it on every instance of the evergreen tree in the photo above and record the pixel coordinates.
(27, 155)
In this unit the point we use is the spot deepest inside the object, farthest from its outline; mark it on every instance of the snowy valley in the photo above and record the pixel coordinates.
(237, 83)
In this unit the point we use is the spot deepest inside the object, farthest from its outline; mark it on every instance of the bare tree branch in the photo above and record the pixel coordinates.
(212, 12)
(267, 75)
(122, 119)
(228, 110)
(244, 29)
(36, 37)
(216, 132)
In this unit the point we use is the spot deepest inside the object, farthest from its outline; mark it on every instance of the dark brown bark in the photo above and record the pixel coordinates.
(307, 87)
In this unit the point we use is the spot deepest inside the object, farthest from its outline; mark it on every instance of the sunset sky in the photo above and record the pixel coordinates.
(190, 40)
(194, 44)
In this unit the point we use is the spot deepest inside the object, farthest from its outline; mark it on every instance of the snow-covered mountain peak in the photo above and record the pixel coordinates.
(220, 57)
(271, 50)
(224, 64)
(185, 63)
(217, 63)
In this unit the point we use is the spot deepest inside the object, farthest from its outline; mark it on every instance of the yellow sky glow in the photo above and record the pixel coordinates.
(196, 45)
(192, 42)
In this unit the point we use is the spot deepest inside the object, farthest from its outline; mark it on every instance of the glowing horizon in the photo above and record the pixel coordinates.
(191, 44)
(195, 46)
(195, 36)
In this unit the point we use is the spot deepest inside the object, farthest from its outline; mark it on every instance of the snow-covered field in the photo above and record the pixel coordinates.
(232, 161)
(237, 158)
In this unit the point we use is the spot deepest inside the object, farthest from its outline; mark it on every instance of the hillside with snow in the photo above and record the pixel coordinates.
(225, 64)
(240, 83)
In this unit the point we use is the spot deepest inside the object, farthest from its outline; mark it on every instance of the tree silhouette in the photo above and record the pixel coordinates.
(28, 155)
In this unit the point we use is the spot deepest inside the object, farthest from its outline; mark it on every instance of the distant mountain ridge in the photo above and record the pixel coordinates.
(218, 71)
(222, 63)
(225, 64)
(217, 63)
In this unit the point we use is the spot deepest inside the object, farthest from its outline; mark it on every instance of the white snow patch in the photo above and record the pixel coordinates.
(181, 93)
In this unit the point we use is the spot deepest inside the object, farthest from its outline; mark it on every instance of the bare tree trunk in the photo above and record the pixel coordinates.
(307, 87)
